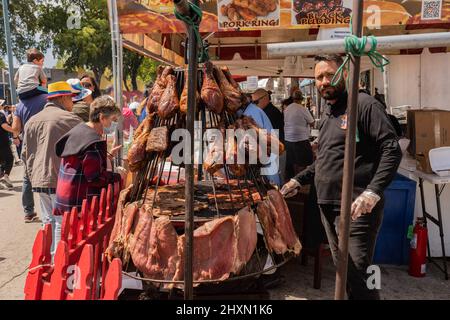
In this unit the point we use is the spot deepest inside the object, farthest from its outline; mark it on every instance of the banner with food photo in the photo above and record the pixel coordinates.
(157, 16)
(248, 14)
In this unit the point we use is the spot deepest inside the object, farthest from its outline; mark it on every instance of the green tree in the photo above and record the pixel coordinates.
(24, 26)
(131, 64)
(147, 70)
(88, 47)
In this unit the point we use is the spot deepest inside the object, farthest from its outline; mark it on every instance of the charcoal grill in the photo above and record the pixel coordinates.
(150, 177)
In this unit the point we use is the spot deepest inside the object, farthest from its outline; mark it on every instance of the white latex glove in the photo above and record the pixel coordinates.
(291, 188)
(364, 204)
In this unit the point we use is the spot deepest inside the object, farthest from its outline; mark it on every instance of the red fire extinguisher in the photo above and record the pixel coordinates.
(418, 251)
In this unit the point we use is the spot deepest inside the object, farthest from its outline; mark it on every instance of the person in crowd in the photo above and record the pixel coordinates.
(25, 110)
(377, 159)
(261, 98)
(41, 133)
(31, 79)
(134, 107)
(83, 172)
(6, 155)
(129, 120)
(297, 124)
(394, 120)
(89, 82)
(82, 99)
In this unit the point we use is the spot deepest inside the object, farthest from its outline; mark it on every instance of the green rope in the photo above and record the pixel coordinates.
(194, 22)
(355, 46)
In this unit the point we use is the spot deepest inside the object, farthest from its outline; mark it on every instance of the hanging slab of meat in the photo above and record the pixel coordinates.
(245, 228)
(158, 140)
(215, 157)
(184, 95)
(169, 103)
(118, 245)
(211, 94)
(158, 88)
(154, 246)
(215, 251)
(137, 153)
(145, 126)
(273, 238)
(276, 221)
(233, 97)
(230, 78)
(283, 221)
(123, 199)
(231, 157)
(265, 139)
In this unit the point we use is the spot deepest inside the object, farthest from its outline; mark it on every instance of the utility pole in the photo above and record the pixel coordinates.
(12, 86)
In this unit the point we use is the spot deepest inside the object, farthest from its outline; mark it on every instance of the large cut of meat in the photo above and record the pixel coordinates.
(211, 94)
(158, 88)
(233, 96)
(215, 251)
(265, 139)
(153, 246)
(123, 199)
(283, 221)
(137, 153)
(118, 243)
(158, 140)
(169, 103)
(230, 78)
(145, 126)
(184, 95)
(276, 221)
(245, 228)
(231, 157)
(171, 201)
(215, 157)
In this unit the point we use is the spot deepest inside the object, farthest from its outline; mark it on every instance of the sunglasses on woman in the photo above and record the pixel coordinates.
(87, 85)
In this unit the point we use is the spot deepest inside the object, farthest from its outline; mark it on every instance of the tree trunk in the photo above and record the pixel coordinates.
(98, 75)
(125, 82)
(134, 83)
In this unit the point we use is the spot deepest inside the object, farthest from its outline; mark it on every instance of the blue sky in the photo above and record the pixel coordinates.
(50, 61)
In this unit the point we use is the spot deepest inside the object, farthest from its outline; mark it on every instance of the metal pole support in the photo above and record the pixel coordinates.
(12, 85)
(183, 8)
(349, 160)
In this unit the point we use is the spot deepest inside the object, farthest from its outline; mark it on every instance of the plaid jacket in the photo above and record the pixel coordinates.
(82, 175)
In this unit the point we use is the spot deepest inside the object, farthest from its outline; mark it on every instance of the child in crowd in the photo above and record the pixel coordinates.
(31, 79)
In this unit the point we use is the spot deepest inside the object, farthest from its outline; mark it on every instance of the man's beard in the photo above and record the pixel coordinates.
(333, 93)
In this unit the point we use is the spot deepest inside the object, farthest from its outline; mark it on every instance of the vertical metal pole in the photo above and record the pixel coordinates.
(116, 47)
(12, 85)
(189, 167)
(349, 160)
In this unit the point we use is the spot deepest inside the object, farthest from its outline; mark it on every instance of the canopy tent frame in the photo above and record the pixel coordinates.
(305, 49)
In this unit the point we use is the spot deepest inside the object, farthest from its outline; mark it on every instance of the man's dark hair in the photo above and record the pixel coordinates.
(330, 57)
(33, 54)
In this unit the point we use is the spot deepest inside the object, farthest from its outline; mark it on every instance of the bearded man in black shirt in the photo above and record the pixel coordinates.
(378, 156)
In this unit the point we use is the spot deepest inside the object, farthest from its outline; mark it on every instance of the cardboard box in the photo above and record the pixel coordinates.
(427, 129)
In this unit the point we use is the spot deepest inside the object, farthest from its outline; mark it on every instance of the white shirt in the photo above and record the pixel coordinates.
(296, 123)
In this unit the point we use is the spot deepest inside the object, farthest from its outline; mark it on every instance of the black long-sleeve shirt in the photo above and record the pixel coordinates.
(276, 118)
(378, 153)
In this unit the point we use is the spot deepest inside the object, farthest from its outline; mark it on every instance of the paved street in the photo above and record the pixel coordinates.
(17, 239)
